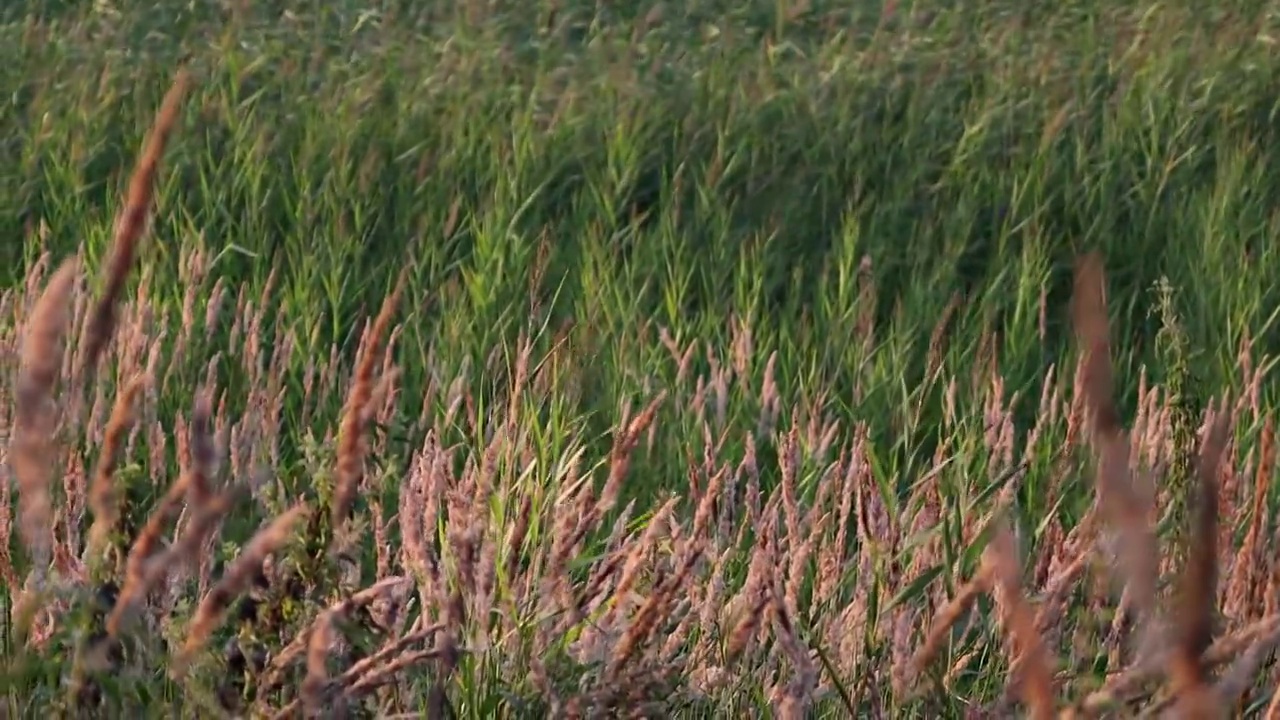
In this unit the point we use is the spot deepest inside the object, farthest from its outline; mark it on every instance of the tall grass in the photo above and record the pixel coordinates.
(724, 362)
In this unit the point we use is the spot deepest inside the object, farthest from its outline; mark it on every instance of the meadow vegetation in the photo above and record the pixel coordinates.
(715, 359)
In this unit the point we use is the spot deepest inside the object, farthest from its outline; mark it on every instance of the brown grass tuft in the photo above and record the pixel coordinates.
(1126, 508)
(1036, 681)
(1093, 331)
(31, 450)
(316, 683)
(143, 551)
(945, 619)
(351, 440)
(235, 581)
(32, 447)
(102, 495)
(1195, 614)
(131, 224)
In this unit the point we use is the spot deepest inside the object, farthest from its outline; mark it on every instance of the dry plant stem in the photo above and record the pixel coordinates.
(1058, 587)
(1243, 673)
(102, 495)
(203, 455)
(131, 224)
(142, 552)
(1247, 580)
(1273, 707)
(316, 683)
(1129, 683)
(1036, 683)
(382, 675)
(317, 691)
(795, 701)
(449, 653)
(1092, 328)
(666, 590)
(946, 618)
(301, 644)
(1199, 586)
(372, 664)
(1127, 509)
(351, 442)
(235, 581)
(32, 446)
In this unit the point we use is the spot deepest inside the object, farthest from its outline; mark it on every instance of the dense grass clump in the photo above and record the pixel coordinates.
(544, 359)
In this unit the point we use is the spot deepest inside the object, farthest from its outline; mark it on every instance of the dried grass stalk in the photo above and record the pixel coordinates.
(1126, 508)
(142, 551)
(946, 618)
(283, 660)
(235, 581)
(1126, 685)
(1194, 632)
(131, 224)
(315, 685)
(102, 495)
(32, 447)
(351, 440)
(1036, 683)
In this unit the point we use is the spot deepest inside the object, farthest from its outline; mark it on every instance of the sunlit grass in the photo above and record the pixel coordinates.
(853, 228)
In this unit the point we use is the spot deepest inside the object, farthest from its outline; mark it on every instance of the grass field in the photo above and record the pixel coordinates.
(706, 359)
